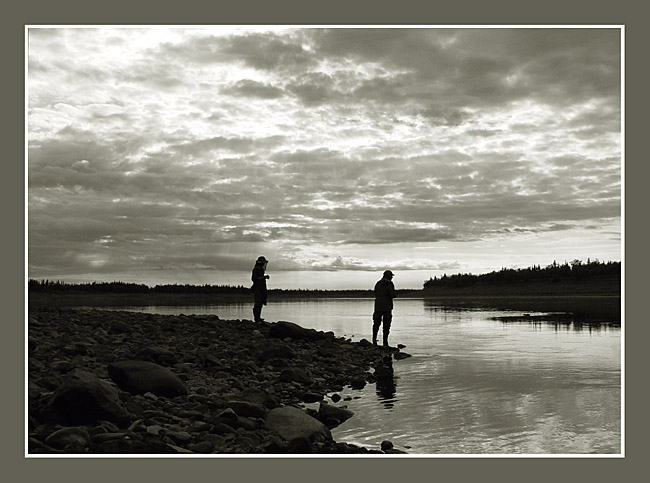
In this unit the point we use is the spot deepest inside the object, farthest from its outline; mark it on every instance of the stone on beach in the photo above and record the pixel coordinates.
(332, 416)
(247, 409)
(295, 374)
(401, 355)
(84, 398)
(291, 423)
(156, 354)
(139, 377)
(283, 329)
(76, 439)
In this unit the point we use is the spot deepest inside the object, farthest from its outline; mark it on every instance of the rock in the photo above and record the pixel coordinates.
(223, 428)
(259, 396)
(395, 451)
(300, 445)
(247, 409)
(84, 398)
(336, 397)
(312, 397)
(332, 416)
(365, 343)
(201, 447)
(386, 445)
(76, 348)
(295, 374)
(75, 439)
(156, 354)
(290, 423)
(282, 329)
(401, 355)
(358, 382)
(278, 350)
(61, 366)
(139, 377)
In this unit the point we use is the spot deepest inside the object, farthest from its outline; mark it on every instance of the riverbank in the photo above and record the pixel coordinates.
(119, 382)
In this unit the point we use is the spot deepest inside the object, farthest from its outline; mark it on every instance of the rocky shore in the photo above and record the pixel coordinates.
(117, 382)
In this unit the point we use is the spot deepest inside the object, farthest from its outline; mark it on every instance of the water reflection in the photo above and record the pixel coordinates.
(386, 387)
(387, 392)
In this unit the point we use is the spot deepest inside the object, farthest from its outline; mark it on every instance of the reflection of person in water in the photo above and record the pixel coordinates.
(386, 387)
(259, 279)
(384, 295)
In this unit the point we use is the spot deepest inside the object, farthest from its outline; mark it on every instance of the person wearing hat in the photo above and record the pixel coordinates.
(259, 279)
(384, 295)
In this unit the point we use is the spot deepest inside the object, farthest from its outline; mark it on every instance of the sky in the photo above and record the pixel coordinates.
(179, 155)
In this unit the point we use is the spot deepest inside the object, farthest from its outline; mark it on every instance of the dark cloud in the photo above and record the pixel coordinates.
(264, 51)
(487, 66)
(250, 88)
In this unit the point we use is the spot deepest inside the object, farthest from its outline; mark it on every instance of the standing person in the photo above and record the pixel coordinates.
(259, 279)
(384, 295)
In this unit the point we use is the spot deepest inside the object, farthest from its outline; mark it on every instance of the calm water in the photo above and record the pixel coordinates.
(473, 385)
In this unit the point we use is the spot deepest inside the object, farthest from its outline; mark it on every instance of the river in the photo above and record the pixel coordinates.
(474, 385)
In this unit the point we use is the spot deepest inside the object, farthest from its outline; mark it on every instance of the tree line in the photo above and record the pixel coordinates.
(126, 287)
(568, 271)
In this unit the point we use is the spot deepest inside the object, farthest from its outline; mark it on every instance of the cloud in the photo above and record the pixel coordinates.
(197, 147)
(251, 88)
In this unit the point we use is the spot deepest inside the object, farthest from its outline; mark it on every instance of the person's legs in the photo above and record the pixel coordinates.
(257, 312)
(376, 322)
(388, 318)
(257, 308)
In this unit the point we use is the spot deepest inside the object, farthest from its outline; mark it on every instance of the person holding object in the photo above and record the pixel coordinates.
(259, 279)
(384, 295)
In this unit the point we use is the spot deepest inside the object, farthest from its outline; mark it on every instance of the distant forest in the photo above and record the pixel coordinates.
(575, 270)
(572, 271)
(48, 286)
(124, 287)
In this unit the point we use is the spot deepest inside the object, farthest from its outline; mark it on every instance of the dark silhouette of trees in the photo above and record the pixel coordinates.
(124, 287)
(569, 271)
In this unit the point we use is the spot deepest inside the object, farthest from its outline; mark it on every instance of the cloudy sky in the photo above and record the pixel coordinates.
(162, 155)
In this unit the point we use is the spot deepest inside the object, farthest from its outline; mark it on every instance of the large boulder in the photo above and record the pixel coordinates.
(290, 423)
(139, 377)
(284, 329)
(83, 398)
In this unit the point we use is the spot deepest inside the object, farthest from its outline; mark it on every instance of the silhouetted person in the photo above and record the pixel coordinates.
(384, 295)
(259, 279)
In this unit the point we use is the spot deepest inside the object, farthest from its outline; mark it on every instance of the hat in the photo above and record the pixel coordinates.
(388, 273)
(261, 260)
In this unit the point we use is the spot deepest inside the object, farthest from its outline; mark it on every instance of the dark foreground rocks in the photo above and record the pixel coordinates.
(106, 382)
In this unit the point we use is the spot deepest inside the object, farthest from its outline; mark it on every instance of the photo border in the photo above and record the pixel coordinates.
(552, 12)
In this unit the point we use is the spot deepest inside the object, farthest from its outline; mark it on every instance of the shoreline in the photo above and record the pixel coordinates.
(120, 382)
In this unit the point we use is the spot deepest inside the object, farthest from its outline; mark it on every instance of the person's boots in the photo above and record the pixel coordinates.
(386, 341)
(374, 335)
(257, 314)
